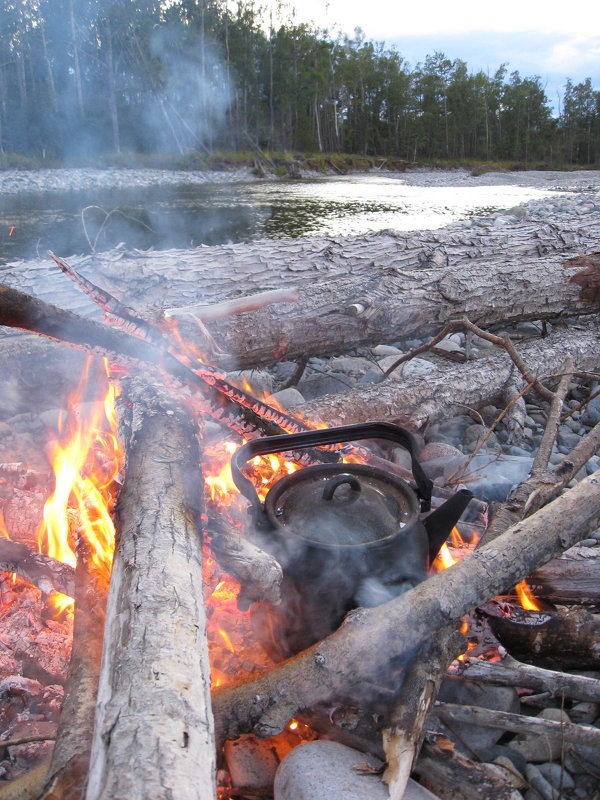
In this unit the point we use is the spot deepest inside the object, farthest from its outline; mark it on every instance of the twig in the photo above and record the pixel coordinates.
(297, 374)
(48, 737)
(540, 463)
(581, 405)
(107, 217)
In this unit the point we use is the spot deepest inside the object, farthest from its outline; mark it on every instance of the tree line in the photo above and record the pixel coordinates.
(82, 77)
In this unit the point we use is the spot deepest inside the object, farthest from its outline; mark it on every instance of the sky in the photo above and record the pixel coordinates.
(551, 39)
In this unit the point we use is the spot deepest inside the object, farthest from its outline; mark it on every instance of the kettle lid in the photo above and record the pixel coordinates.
(348, 505)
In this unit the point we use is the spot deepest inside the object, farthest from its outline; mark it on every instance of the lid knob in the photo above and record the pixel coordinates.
(333, 483)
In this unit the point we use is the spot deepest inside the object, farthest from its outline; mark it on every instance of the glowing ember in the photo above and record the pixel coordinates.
(86, 459)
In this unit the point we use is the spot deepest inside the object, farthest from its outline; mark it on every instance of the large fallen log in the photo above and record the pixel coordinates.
(342, 662)
(352, 291)
(153, 731)
(420, 399)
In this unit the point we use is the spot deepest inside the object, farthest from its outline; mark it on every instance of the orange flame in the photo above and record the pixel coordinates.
(86, 460)
(526, 599)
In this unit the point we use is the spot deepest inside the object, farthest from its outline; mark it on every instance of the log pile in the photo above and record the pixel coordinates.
(155, 731)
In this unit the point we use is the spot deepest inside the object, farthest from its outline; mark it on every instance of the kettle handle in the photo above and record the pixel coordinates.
(322, 436)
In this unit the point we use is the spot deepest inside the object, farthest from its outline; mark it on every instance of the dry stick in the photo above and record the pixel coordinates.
(42, 571)
(67, 774)
(581, 405)
(231, 308)
(345, 658)
(510, 672)
(17, 740)
(466, 325)
(542, 457)
(571, 732)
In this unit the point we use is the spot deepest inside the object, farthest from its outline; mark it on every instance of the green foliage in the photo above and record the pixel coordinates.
(195, 84)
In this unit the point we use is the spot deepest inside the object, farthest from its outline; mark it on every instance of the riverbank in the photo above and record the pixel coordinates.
(275, 164)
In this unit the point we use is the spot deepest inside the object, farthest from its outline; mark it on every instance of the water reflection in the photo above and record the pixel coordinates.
(190, 215)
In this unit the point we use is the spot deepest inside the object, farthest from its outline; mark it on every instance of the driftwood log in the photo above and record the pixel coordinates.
(153, 731)
(344, 660)
(422, 399)
(352, 291)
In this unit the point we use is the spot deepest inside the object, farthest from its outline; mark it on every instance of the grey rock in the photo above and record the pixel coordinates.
(449, 346)
(383, 350)
(288, 398)
(475, 433)
(529, 328)
(434, 450)
(355, 367)
(556, 775)
(402, 458)
(539, 783)
(329, 383)
(386, 362)
(593, 464)
(567, 438)
(323, 769)
(459, 338)
(372, 376)
(591, 415)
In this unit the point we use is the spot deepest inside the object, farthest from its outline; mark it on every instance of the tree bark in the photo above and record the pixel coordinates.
(153, 735)
(46, 573)
(419, 400)
(344, 660)
(353, 291)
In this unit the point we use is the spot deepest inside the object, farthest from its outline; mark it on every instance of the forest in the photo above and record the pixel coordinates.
(88, 78)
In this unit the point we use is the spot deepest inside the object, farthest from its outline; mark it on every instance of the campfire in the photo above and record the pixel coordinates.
(335, 598)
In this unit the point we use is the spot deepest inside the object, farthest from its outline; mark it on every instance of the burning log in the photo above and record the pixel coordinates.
(566, 638)
(153, 731)
(46, 573)
(574, 578)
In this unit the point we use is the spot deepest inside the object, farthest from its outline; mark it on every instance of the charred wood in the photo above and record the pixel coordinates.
(44, 572)
(561, 639)
(67, 774)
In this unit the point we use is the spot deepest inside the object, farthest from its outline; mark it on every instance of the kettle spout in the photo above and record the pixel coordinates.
(441, 521)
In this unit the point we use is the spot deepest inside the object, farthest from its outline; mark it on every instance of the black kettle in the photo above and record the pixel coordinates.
(346, 534)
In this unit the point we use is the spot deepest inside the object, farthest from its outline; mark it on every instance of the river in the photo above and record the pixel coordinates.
(78, 211)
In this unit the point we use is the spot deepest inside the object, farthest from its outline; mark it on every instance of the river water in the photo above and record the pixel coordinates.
(78, 211)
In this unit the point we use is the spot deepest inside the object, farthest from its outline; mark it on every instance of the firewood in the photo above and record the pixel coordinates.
(417, 400)
(572, 579)
(153, 730)
(510, 672)
(42, 571)
(584, 735)
(345, 658)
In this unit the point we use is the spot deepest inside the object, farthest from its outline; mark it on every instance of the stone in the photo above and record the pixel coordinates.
(539, 783)
(322, 769)
(475, 433)
(449, 346)
(556, 775)
(355, 367)
(435, 450)
(386, 362)
(288, 398)
(383, 350)
(317, 385)
(567, 438)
